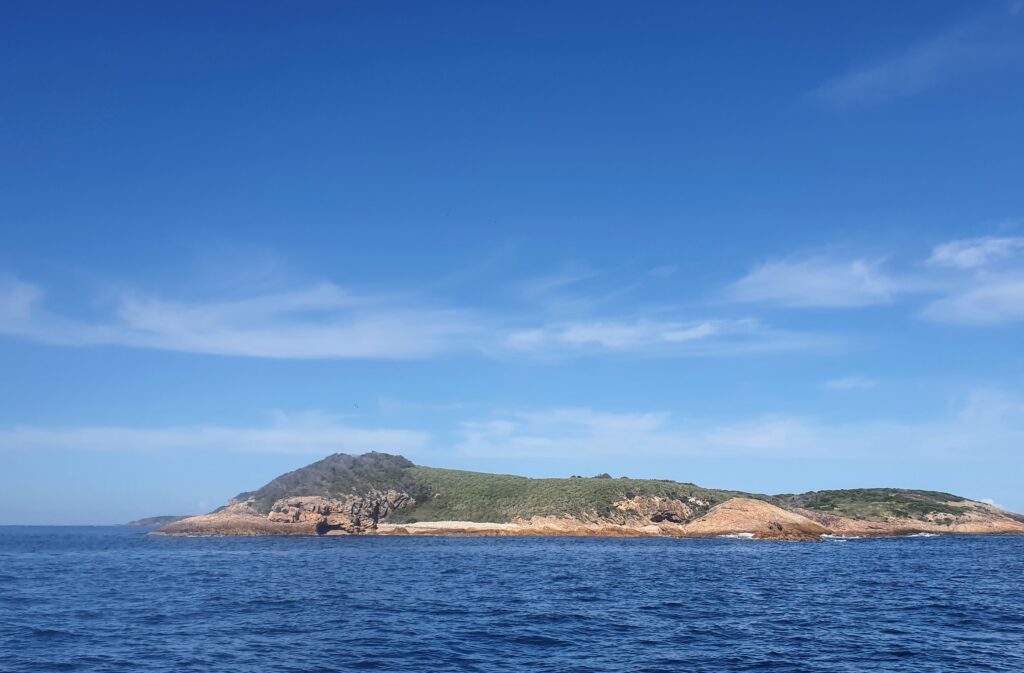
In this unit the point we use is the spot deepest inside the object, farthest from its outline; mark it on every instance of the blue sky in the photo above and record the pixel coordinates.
(771, 247)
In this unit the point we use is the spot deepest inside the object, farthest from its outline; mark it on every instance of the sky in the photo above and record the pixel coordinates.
(772, 247)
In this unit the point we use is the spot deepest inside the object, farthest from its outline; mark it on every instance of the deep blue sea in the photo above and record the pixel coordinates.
(115, 599)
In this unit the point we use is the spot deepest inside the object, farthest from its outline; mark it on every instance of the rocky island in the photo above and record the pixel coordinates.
(383, 494)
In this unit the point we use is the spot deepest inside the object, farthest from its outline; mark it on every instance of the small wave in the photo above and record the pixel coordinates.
(829, 537)
(738, 536)
(923, 535)
(49, 633)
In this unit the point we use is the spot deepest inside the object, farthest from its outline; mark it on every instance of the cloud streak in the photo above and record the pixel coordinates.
(990, 302)
(658, 338)
(324, 321)
(991, 292)
(309, 434)
(318, 321)
(846, 383)
(816, 282)
(974, 253)
(987, 43)
(988, 423)
(972, 282)
(968, 282)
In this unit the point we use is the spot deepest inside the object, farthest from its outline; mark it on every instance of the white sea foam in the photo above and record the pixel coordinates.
(829, 537)
(739, 536)
(924, 535)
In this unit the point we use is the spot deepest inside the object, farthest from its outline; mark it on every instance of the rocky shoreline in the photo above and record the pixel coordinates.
(385, 494)
(651, 517)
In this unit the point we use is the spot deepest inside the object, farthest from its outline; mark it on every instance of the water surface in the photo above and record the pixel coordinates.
(113, 599)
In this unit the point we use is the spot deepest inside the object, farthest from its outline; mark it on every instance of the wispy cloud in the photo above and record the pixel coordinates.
(317, 321)
(985, 43)
(986, 423)
(990, 288)
(992, 301)
(578, 290)
(849, 383)
(309, 433)
(325, 321)
(973, 253)
(563, 433)
(816, 282)
(658, 338)
(970, 282)
(17, 300)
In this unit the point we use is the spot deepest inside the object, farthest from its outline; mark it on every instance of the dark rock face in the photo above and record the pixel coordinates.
(336, 476)
(353, 514)
(656, 509)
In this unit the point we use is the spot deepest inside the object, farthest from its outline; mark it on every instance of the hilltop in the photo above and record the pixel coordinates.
(379, 493)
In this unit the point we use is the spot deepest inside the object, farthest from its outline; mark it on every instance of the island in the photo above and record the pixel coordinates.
(383, 494)
(151, 521)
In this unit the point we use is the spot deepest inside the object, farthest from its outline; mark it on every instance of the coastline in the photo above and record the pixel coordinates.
(736, 517)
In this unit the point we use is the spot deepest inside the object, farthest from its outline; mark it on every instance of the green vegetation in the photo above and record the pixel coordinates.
(875, 504)
(455, 495)
(476, 496)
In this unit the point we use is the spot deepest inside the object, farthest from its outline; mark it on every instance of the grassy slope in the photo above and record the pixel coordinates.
(875, 504)
(476, 496)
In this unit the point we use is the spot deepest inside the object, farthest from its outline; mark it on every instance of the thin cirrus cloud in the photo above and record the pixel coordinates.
(308, 434)
(994, 301)
(967, 282)
(816, 282)
(991, 292)
(987, 423)
(558, 434)
(971, 282)
(319, 321)
(845, 383)
(974, 253)
(324, 321)
(987, 43)
(661, 337)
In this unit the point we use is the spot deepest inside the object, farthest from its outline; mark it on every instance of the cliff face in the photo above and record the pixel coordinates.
(382, 494)
(352, 514)
(297, 515)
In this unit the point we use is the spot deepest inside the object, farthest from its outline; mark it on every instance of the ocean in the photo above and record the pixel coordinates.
(98, 599)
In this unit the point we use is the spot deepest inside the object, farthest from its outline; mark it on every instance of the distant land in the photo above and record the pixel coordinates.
(156, 520)
(384, 494)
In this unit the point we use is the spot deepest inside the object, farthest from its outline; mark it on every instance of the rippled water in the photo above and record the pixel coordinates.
(113, 599)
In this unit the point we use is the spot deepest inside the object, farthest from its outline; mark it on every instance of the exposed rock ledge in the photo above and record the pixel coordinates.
(383, 494)
(313, 515)
(300, 515)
